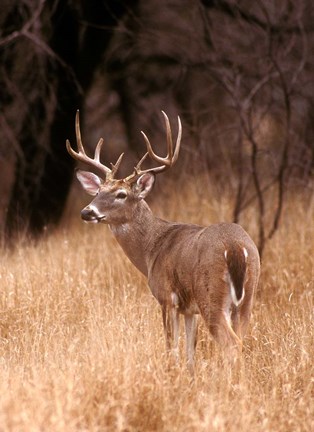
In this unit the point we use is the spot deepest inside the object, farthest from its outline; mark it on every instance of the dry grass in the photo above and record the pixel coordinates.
(82, 347)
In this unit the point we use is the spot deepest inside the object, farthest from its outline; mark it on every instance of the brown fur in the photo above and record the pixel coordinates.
(186, 266)
(236, 263)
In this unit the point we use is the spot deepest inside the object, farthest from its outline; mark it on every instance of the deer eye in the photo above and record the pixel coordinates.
(121, 195)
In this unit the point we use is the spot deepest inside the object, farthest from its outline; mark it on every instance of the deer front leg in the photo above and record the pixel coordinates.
(191, 325)
(167, 328)
(170, 317)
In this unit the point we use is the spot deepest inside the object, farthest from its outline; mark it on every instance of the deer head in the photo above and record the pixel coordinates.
(115, 199)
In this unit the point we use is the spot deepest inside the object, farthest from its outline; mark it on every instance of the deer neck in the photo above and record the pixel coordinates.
(136, 236)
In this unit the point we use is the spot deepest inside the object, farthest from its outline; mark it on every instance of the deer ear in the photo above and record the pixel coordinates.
(89, 181)
(145, 184)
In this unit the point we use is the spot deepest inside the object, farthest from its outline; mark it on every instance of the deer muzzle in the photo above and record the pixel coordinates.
(91, 214)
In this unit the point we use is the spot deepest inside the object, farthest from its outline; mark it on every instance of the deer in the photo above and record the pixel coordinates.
(192, 270)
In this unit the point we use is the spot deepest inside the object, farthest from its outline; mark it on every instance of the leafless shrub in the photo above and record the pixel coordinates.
(238, 73)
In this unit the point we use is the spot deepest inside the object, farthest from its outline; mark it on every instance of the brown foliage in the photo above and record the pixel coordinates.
(239, 74)
(82, 346)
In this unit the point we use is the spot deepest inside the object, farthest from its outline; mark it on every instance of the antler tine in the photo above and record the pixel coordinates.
(78, 133)
(138, 166)
(178, 142)
(98, 150)
(115, 167)
(167, 161)
(169, 137)
(81, 155)
(171, 157)
(137, 170)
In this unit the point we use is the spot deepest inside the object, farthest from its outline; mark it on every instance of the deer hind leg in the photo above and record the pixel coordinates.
(240, 316)
(218, 320)
(240, 319)
(229, 341)
(246, 309)
(236, 321)
(191, 325)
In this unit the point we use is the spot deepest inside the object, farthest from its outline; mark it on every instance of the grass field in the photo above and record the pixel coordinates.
(82, 348)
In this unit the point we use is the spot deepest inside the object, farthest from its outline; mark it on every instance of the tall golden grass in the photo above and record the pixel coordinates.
(82, 347)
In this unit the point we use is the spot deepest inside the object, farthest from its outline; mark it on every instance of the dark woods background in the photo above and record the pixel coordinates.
(239, 73)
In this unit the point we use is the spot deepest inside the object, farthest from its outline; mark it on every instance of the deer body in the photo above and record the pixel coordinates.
(188, 273)
(212, 271)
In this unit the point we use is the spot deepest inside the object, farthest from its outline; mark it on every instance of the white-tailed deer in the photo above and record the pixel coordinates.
(212, 271)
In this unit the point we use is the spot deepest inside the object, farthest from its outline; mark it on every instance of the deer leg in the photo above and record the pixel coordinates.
(245, 313)
(221, 330)
(170, 317)
(175, 329)
(229, 339)
(240, 320)
(191, 325)
(167, 327)
(236, 321)
(218, 320)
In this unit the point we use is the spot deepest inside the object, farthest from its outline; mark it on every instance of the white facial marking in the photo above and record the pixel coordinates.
(226, 254)
(121, 191)
(95, 210)
(120, 229)
(92, 221)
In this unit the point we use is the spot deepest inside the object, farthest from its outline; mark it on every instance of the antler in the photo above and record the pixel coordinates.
(167, 161)
(81, 156)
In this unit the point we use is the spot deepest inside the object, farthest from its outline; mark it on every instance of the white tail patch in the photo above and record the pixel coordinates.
(233, 294)
(246, 254)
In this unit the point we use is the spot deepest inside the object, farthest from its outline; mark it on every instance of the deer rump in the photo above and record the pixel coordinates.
(196, 267)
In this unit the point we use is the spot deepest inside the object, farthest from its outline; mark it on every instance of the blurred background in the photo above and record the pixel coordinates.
(240, 74)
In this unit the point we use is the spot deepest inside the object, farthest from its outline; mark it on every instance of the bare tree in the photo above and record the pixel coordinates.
(49, 51)
(266, 89)
(240, 74)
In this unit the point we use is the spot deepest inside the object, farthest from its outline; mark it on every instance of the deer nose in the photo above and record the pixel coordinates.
(88, 214)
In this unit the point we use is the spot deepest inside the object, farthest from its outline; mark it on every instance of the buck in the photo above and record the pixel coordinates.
(212, 271)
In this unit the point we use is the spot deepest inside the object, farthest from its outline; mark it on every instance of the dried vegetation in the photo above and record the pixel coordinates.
(82, 349)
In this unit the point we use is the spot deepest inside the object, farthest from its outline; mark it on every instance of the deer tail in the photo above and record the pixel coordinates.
(236, 259)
